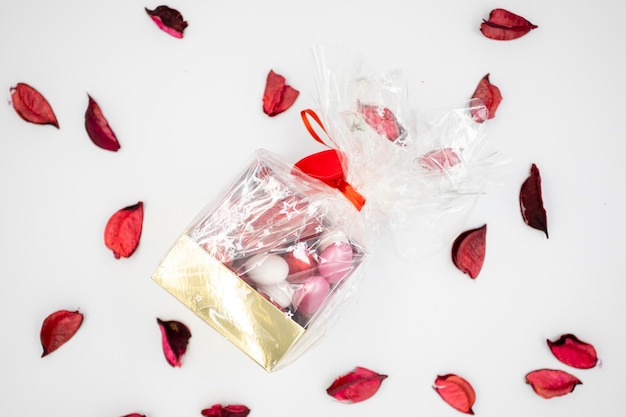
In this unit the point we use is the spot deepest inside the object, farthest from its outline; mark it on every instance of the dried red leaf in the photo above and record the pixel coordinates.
(58, 328)
(168, 20)
(98, 127)
(278, 96)
(456, 391)
(217, 410)
(356, 386)
(504, 25)
(531, 202)
(123, 230)
(174, 337)
(32, 106)
(134, 415)
(490, 97)
(382, 120)
(574, 352)
(549, 383)
(468, 251)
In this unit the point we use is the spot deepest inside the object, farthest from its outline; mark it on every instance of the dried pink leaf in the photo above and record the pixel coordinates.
(174, 338)
(456, 391)
(440, 160)
(504, 25)
(468, 251)
(168, 20)
(123, 230)
(58, 328)
(217, 410)
(98, 127)
(32, 106)
(550, 383)
(382, 120)
(356, 386)
(278, 96)
(574, 352)
(490, 97)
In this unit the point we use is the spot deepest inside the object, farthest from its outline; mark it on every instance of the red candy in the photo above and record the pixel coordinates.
(301, 261)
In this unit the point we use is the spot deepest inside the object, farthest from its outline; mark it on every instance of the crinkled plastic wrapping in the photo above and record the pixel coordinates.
(270, 264)
(421, 173)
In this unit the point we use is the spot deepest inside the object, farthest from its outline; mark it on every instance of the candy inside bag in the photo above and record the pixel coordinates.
(285, 234)
(269, 264)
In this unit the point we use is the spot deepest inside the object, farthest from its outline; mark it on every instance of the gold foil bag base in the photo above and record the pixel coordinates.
(223, 300)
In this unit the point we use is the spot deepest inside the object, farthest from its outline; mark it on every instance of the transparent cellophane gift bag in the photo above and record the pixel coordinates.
(270, 264)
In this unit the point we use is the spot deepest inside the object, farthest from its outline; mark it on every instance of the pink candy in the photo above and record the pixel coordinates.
(335, 261)
(311, 294)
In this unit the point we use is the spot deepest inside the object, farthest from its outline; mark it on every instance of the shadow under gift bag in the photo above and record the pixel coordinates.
(270, 264)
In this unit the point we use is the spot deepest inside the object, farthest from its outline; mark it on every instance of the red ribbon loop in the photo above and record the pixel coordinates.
(305, 114)
(326, 165)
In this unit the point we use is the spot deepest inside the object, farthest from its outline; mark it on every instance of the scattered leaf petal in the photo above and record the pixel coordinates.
(218, 410)
(58, 328)
(549, 383)
(456, 391)
(174, 337)
(531, 202)
(356, 386)
(468, 251)
(123, 230)
(489, 95)
(278, 96)
(504, 25)
(168, 20)
(382, 120)
(98, 127)
(31, 106)
(574, 352)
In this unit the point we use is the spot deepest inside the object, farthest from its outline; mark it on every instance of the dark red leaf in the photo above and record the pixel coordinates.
(98, 127)
(574, 352)
(504, 25)
(531, 202)
(356, 386)
(58, 328)
(174, 337)
(549, 383)
(123, 230)
(382, 120)
(490, 97)
(468, 251)
(456, 391)
(278, 96)
(218, 410)
(134, 415)
(168, 20)
(31, 106)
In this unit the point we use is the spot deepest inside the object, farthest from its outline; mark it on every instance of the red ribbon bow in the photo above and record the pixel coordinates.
(326, 165)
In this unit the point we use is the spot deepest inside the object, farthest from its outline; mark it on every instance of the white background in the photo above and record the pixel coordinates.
(188, 114)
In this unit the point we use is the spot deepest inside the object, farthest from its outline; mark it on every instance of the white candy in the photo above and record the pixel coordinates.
(280, 294)
(267, 269)
(330, 236)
